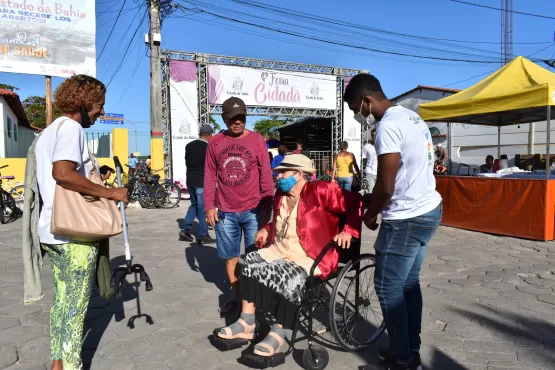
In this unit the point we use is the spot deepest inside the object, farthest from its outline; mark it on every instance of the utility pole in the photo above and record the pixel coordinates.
(48, 100)
(155, 72)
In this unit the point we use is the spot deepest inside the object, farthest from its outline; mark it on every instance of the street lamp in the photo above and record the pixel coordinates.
(135, 131)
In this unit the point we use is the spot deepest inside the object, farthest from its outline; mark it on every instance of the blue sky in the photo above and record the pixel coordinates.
(128, 92)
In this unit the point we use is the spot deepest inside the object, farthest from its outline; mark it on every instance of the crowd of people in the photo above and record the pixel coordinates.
(283, 217)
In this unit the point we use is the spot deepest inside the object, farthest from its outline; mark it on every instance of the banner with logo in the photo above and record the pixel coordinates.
(48, 37)
(352, 132)
(184, 113)
(270, 88)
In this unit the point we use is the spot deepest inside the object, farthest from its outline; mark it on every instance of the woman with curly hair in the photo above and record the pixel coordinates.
(62, 158)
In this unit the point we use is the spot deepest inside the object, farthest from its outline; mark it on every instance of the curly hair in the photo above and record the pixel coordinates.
(76, 92)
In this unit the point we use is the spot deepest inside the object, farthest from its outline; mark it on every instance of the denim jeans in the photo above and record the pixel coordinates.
(230, 228)
(400, 249)
(345, 183)
(196, 210)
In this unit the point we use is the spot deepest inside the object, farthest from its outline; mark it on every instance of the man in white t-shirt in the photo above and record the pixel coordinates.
(371, 169)
(411, 211)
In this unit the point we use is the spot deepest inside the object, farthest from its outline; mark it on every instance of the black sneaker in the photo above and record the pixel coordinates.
(186, 235)
(205, 240)
(385, 354)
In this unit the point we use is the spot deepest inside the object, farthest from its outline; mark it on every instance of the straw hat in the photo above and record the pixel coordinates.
(296, 162)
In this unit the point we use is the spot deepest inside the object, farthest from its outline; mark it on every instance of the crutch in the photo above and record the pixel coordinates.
(118, 276)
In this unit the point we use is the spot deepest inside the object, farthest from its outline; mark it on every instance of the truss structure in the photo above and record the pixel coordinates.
(205, 109)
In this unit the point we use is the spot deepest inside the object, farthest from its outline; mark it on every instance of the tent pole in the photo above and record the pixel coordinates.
(548, 143)
(499, 142)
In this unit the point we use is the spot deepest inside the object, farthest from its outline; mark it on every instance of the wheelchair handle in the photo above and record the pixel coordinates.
(321, 256)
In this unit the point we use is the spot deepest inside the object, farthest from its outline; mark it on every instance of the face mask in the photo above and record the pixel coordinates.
(287, 184)
(85, 119)
(364, 121)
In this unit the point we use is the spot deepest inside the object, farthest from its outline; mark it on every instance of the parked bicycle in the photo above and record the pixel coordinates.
(11, 202)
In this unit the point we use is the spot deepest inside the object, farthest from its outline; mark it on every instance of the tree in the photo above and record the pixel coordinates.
(8, 87)
(215, 124)
(35, 109)
(264, 126)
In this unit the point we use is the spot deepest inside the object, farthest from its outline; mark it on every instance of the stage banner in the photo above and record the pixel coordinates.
(270, 88)
(184, 113)
(48, 37)
(352, 132)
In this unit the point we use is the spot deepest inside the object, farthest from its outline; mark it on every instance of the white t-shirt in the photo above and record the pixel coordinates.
(403, 131)
(68, 145)
(371, 159)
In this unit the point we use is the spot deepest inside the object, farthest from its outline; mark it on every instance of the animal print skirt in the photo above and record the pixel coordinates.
(275, 287)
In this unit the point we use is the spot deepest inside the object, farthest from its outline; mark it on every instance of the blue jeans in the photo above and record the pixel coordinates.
(196, 210)
(345, 183)
(400, 249)
(229, 231)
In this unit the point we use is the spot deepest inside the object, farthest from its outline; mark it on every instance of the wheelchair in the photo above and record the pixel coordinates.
(353, 313)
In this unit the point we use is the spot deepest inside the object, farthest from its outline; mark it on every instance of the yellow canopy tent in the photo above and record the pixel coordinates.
(520, 92)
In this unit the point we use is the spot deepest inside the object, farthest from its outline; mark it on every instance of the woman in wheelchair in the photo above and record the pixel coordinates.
(306, 218)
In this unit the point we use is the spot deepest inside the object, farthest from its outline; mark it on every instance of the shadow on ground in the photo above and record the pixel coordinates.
(101, 312)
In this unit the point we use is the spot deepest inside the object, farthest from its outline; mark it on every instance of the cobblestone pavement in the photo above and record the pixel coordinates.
(489, 304)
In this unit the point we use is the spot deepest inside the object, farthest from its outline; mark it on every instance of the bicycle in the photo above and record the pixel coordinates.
(10, 202)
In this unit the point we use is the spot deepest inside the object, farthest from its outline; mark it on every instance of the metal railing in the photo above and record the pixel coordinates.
(322, 162)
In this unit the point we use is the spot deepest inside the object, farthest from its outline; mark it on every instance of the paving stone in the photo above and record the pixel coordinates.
(112, 363)
(196, 360)
(35, 351)
(441, 340)
(21, 334)
(534, 289)
(429, 323)
(8, 355)
(488, 347)
(468, 331)
(124, 348)
(539, 358)
(547, 298)
(21, 366)
(8, 322)
(499, 285)
(157, 354)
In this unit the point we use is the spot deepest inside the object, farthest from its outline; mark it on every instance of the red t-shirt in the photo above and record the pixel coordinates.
(241, 169)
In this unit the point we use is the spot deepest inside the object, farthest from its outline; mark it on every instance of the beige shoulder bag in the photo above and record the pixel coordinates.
(84, 218)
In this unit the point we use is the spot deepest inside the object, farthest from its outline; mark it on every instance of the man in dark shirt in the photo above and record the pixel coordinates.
(195, 155)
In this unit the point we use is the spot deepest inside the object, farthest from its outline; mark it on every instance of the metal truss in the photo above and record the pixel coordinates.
(205, 109)
(258, 63)
(280, 111)
(166, 122)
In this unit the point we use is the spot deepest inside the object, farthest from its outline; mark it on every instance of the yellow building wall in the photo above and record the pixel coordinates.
(120, 147)
(157, 156)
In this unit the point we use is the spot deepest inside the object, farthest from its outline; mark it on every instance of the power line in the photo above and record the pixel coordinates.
(471, 78)
(112, 30)
(111, 20)
(494, 8)
(294, 13)
(295, 34)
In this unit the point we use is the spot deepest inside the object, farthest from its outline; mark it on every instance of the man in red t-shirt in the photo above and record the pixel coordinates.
(238, 188)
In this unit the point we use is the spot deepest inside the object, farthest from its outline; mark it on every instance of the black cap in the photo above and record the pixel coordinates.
(205, 130)
(233, 107)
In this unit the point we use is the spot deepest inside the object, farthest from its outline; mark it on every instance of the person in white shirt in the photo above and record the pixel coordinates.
(411, 212)
(63, 159)
(371, 169)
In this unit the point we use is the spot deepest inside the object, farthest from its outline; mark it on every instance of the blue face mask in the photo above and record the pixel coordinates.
(287, 184)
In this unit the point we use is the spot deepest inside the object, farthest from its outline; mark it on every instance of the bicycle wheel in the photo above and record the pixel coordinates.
(18, 194)
(167, 195)
(3, 217)
(144, 195)
(8, 206)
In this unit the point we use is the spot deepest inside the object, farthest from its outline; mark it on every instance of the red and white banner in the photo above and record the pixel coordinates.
(270, 88)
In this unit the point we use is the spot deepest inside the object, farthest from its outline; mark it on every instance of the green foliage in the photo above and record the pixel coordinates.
(217, 128)
(35, 109)
(264, 126)
(8, 87)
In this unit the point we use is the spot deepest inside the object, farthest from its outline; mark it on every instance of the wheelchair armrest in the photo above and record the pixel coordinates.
(321, 256)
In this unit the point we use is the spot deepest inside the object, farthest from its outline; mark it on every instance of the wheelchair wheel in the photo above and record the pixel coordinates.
(355, 314)
(318, 361)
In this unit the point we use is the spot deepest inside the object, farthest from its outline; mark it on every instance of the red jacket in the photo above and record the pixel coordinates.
(322, 206)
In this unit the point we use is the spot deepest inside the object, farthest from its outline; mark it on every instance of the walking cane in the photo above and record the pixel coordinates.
(118, 276)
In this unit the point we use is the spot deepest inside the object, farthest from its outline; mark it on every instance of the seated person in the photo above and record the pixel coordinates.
(106, 172)
(488, 167)
(306, 219)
